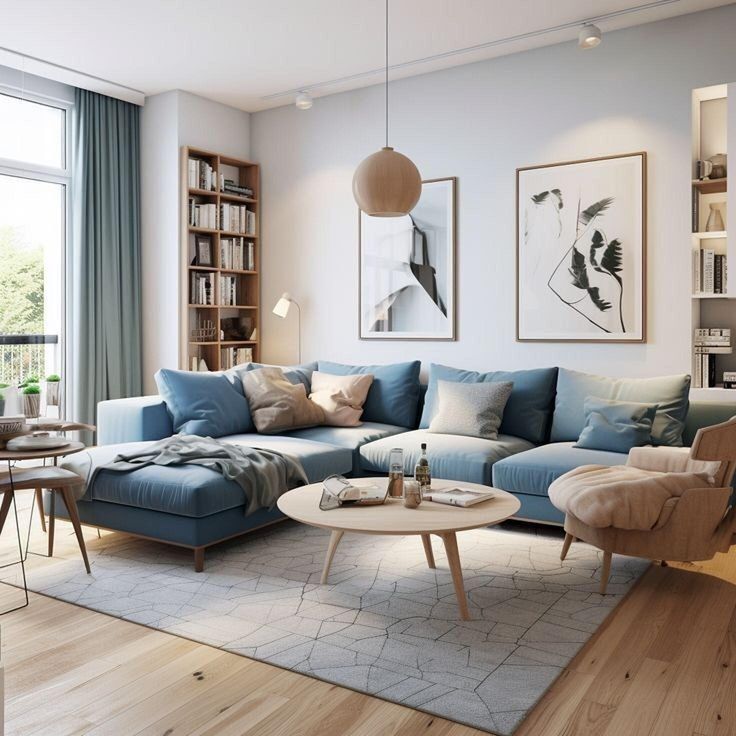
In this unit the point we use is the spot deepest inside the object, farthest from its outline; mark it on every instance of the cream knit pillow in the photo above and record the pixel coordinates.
(341, 397)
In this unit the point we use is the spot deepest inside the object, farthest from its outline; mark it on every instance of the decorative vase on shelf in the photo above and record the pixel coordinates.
(719, 162)
(715, 219)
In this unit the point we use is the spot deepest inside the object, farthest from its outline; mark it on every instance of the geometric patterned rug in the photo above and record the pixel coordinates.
(385, 625)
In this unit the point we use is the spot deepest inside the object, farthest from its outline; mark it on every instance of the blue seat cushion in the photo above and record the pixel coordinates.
(351, 437)
(532, 472)
(451, 456)
(191, 490)
(393, 397)
(528, 412)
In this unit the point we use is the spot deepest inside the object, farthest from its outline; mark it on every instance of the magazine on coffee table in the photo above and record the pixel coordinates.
(458, 496)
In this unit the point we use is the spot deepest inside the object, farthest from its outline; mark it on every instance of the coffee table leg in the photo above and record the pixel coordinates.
(335, 538)
(453, 559)
(427, 542)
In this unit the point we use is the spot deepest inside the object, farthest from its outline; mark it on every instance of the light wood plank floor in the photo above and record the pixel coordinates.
(664, 664)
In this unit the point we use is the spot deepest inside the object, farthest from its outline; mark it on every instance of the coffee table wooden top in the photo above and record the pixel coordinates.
(393, 517)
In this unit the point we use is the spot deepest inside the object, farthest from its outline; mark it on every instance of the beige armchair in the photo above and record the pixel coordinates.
(664, 504)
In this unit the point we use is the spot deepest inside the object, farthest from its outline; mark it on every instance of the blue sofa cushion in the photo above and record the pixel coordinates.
(206, 404)
(616, 425)
(191, 490)
(529, 409)
(451, 456)
(132, 420)
(394, 394)
(669, 392)
(351, 437)
(532, 472)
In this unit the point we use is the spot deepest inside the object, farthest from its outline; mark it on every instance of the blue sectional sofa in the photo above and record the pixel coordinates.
(195, 507)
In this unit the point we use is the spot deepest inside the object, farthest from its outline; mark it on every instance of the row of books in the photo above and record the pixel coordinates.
(229, 291)
(231, 187)
(200, 175)
(710, 272)
(236, 253)
(230, 357)
(707, 344)
(202, 288)
(202, 214)
(237, 218)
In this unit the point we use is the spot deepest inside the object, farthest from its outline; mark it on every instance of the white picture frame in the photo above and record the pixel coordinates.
(402, 297)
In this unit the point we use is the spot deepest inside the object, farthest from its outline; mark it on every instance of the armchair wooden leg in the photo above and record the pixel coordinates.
(569, 539)
(39, 503)
(606, 572)
(198, 559)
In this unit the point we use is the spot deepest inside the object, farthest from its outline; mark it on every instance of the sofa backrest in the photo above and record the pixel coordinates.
(705, 414)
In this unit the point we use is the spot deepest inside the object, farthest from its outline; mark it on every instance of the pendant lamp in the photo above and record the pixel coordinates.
(387, 183)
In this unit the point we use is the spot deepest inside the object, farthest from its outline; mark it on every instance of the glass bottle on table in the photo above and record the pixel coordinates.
(422, 473)
(396, 473)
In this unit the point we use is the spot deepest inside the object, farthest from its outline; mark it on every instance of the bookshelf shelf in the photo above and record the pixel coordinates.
(713, 288)
(713, 235)
(206, 200)
(711, 186)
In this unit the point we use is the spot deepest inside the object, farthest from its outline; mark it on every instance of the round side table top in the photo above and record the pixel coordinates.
(393, 517)
(69, 449)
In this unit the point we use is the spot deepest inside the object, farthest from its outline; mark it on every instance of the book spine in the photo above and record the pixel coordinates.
(695, 210)
(718, 274)
(708, 280)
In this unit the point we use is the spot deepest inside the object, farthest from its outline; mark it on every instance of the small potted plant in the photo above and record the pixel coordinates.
(31, 400)
(53, 382)
(3, 386)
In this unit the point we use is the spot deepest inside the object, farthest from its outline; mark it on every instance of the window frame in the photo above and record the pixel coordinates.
(51, 175)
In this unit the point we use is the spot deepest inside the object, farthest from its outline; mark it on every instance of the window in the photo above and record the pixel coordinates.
(33, 183)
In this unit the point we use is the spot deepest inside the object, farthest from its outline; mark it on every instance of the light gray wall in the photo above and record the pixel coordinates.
(169, 121)
(479, 122)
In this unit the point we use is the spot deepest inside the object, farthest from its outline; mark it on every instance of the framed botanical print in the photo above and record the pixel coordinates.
(581, 250)
(407, 269)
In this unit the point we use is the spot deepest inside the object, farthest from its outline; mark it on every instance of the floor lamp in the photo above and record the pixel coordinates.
(282, 308)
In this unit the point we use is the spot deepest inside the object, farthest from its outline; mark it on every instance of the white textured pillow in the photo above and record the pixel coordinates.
(340, 397)
(471, 409)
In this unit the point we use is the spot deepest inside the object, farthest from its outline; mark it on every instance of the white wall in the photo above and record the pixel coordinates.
(169, 121)
(479, 122)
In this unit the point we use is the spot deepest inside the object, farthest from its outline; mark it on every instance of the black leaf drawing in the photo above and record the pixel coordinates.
(590, 213)
(558, 194)
(612, 259)
(539, 198)
(595, 297)
(578, 270)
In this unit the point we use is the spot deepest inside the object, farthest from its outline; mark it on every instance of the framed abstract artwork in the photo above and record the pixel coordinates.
(407, 269)
(581, 250)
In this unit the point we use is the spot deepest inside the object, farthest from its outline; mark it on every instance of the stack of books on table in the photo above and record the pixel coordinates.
(710, 272)
(201, 175)
(237, 254)
(230, 357)
(708, 343)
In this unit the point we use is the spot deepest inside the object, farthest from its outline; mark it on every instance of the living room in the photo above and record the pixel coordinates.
(367, 368)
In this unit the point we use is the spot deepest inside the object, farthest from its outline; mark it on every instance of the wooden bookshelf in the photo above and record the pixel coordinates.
(209, 329)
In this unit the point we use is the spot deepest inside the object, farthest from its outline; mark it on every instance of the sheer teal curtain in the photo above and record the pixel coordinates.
(105, 279)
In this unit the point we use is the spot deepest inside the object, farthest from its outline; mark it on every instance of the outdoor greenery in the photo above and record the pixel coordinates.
(21, 285)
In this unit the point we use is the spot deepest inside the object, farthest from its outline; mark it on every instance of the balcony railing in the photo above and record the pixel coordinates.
(27, 355)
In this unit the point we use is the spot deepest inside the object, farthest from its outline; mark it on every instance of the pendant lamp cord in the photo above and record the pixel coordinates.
(386, 73)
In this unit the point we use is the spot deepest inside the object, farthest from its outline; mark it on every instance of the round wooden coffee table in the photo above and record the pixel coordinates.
(393, 517)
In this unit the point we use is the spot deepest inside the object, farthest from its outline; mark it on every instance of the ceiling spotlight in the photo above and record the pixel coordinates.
(303, 101)
(589, 37)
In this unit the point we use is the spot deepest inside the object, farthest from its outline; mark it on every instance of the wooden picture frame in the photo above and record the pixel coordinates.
(402, 295)
(581, 237)
(204, 255)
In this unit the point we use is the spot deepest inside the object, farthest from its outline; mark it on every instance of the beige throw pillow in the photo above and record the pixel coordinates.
(341, 397)
(276, 404)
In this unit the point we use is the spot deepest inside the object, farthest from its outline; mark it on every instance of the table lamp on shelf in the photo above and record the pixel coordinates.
(283, 305)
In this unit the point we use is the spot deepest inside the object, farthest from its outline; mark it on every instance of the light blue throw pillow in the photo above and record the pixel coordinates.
(529, 409)
(393, 397)
(616, 426)
(205, 404)
(670, 393)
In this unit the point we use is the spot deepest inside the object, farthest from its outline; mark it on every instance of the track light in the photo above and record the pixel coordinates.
(303, 100)
(589, 36)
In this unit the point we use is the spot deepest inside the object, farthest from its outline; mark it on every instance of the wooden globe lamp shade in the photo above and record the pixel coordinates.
(387, 184)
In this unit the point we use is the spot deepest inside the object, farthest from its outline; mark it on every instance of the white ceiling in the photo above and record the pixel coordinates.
(240, 52)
